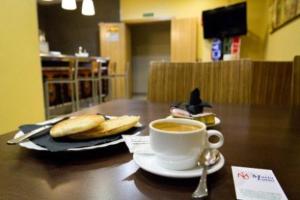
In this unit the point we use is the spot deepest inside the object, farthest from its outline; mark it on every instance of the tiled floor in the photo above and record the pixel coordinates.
(139, 96)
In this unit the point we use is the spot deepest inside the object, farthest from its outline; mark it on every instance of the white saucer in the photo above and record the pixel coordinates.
(148, 163)
(217, 122)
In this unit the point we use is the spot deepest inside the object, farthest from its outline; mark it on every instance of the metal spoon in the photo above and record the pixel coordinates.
(207, 158)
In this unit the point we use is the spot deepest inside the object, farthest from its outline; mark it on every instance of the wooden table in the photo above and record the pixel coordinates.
(254, 137)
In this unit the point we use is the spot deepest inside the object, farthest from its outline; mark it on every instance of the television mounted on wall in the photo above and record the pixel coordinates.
(225, 21)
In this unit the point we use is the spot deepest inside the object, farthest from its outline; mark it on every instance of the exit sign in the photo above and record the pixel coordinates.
(150, 14)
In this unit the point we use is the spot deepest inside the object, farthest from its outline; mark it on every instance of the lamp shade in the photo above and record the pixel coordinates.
(88, 8)
(68, 4)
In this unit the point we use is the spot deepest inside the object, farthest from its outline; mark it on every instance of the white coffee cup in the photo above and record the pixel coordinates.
(180, 150)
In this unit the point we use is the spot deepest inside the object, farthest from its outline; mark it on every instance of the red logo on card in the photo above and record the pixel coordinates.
(243, 175)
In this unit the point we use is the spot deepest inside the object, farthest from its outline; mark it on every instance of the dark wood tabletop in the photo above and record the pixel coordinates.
(256, 137)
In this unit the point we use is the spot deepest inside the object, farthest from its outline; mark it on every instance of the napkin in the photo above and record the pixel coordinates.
(56, 145)
(196, 104)
(138, 144)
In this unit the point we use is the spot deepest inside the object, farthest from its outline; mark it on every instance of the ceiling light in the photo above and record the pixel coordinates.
(88, 8)
(68, 4)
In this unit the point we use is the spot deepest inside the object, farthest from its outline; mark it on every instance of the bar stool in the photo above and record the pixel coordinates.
(113, 77)
(51, 81)
(102, 85)
(94, 76)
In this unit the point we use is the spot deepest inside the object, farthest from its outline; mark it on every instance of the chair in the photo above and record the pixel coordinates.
(58, 76)
(118, 83)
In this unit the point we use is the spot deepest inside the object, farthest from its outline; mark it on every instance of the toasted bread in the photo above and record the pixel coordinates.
(76, 125)
(108, 127)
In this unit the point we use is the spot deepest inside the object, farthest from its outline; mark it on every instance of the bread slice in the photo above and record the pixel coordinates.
(108, 127)
(76, 125)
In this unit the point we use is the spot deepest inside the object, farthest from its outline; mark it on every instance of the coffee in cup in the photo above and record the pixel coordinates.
(174, 127)
(178, 143)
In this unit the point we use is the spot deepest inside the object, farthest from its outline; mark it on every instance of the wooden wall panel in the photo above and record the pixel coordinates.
(128, 64)
(220, 82)
(224, 81)
(245, 82)
(232, 82)
(271, 83)
(296, 82)
(184, 40)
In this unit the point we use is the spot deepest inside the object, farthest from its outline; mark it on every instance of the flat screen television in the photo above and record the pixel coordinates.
(225, 21)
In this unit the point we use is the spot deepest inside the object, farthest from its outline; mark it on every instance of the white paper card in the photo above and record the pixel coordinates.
(112, 36)
(252, 183)
(138, 144)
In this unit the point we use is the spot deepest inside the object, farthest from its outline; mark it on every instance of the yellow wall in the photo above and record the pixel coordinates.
(21, 99)
(284, 43)
(253, 45)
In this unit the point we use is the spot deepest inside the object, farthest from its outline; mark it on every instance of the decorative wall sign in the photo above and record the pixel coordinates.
(282, 12)
(112, 34)
(231, 48)
(216, 49)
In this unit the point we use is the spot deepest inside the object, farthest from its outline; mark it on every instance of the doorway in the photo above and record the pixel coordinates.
(149, 42)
